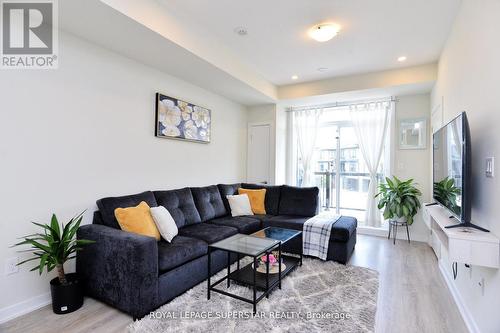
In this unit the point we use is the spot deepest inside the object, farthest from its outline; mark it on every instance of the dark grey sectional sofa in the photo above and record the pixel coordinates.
(137, 274)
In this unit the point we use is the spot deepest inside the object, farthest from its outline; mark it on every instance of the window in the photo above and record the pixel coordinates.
(339, 168)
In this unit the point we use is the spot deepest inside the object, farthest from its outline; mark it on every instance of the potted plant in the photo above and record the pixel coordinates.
(51, 248)
(399, 199)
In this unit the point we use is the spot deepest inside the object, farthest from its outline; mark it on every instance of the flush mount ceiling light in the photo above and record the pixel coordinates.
(324, 32)
(242, 31)
(402, 58)
(295, 77)
(322, 69)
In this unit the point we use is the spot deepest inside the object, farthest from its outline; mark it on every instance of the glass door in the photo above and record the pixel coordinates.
(325, 161)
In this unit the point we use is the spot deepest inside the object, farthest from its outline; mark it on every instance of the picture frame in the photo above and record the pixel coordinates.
(181, 120)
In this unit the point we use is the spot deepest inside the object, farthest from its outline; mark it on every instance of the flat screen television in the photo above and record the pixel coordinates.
(452, 170)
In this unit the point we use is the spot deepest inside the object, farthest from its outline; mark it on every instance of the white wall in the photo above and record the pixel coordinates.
(469, 79)
(414, 163)
(262, 113)
(282, 149)
(86, 130)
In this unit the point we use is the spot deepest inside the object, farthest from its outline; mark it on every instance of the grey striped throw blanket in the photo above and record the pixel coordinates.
(316, 234)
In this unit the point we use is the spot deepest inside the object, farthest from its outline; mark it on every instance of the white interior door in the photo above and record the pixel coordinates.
(259, 153)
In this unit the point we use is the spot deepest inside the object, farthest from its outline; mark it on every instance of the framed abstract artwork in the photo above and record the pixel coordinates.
(177, 119)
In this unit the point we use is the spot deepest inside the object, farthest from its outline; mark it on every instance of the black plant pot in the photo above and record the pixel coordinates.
(66, 299)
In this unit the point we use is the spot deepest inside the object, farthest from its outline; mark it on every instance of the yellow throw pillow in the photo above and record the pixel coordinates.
(257, 198)
(137, 220)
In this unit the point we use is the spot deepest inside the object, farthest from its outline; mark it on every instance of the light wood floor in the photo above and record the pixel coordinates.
(412, 296)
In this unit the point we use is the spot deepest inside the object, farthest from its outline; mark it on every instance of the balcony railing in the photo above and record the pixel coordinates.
(350, 198)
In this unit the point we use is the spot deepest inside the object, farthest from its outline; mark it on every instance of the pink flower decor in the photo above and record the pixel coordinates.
(272, 259)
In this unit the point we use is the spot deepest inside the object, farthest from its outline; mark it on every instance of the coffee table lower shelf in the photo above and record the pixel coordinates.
(245, 274)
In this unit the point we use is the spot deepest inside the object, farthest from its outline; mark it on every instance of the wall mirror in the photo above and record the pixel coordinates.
(413, 133)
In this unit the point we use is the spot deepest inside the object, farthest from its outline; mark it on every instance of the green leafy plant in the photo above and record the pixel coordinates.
(446, 192)
(54, 245)
(399, 199)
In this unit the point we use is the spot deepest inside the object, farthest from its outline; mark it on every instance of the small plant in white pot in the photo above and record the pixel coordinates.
(399, 199)
(51, 248)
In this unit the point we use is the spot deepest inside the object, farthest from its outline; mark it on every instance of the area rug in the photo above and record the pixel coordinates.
(316, 297)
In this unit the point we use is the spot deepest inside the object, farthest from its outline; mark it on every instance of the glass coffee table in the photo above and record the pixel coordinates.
(259, 244)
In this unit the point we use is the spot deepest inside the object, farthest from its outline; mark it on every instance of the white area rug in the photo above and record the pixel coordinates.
(317, 297)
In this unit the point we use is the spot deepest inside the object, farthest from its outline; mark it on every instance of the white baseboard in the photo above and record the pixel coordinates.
(24, 307)
(464, 311)
(383, 233)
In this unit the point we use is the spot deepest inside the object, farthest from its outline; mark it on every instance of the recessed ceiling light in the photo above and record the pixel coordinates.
(402, 58)
(295, 77)
(324, 32)
(322, 69)
(242, 31)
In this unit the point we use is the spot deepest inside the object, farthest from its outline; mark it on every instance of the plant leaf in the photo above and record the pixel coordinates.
(54, 224)
(43, 260)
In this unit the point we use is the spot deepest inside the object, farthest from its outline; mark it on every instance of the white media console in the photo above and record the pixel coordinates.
(463, 245)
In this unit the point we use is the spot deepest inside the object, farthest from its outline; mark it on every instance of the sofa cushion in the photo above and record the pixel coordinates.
(164, 222)
(240, 205)
(300, 201)
(97, 218)
(207, 232)
(209, 203)
(228, 189)
(245, 225)
(272, 199)
(257, 199)
(108, 205)
(263, 218)
(343, 229)
(286, 221)
(179, 251)
(138, 220)
(180, 204)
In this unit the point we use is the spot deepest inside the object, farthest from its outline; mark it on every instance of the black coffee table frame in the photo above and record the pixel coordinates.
(248, 275)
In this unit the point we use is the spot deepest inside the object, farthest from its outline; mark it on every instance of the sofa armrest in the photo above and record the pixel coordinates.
(120, 268)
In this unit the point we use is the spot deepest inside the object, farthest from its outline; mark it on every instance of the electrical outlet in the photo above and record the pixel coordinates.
(11, 266)
(481, 284)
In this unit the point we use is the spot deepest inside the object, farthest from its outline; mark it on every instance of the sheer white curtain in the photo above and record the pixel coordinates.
(306, 127)
(371, 122)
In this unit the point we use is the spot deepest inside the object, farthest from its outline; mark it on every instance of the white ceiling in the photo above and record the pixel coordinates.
(98, 22)
(374, 33)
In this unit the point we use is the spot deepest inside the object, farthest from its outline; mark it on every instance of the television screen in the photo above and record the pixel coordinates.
(450, 150)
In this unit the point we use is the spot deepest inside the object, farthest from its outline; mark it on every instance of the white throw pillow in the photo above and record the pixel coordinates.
(240, 205)
(164, 222)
